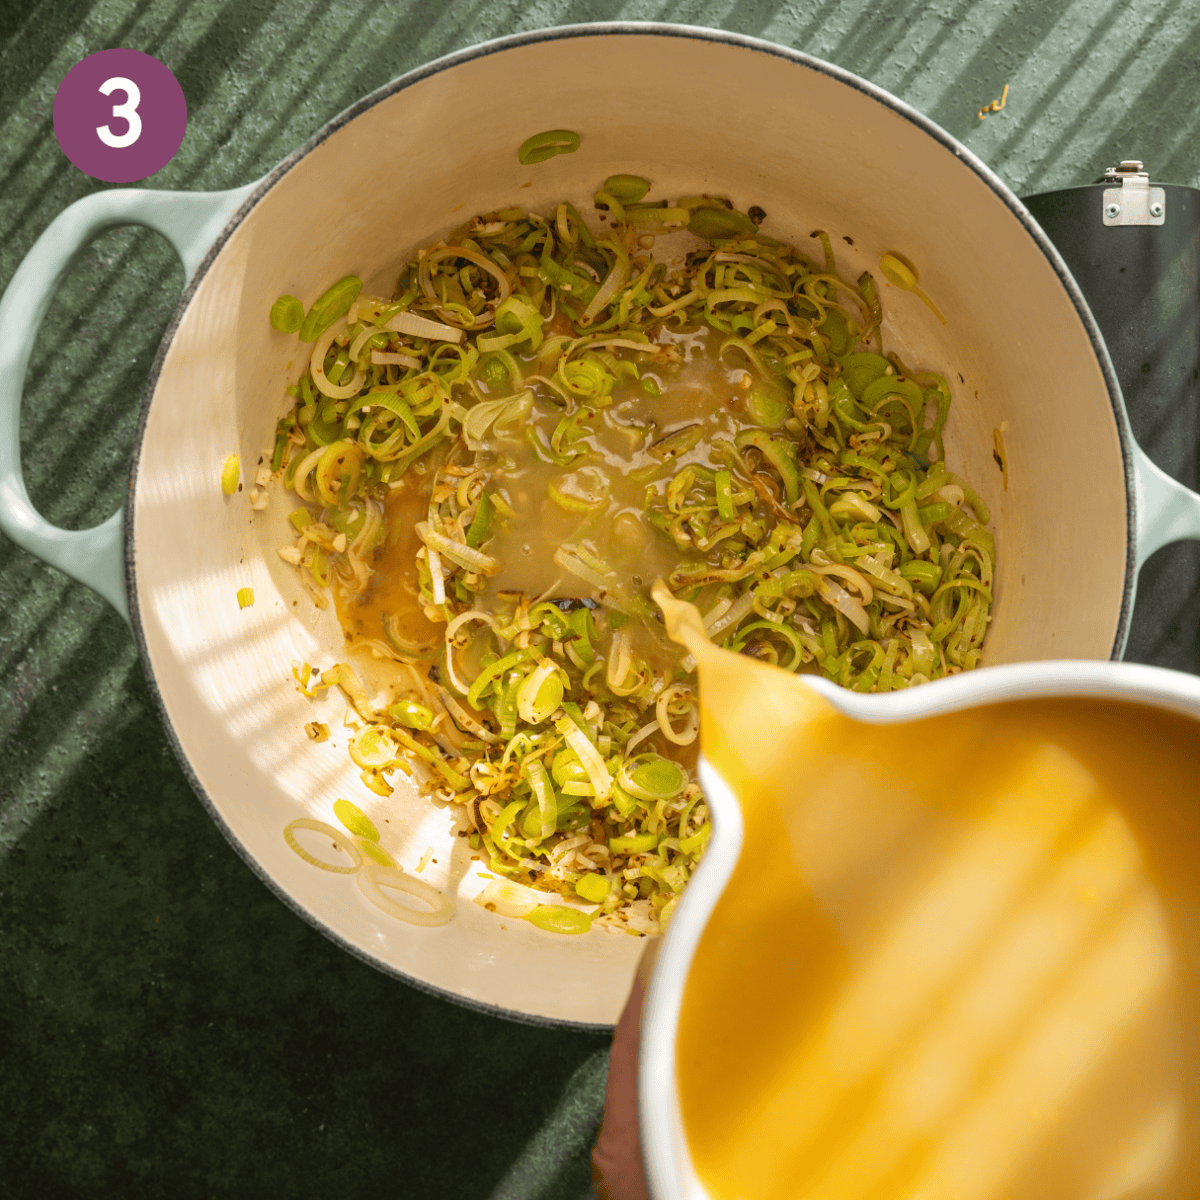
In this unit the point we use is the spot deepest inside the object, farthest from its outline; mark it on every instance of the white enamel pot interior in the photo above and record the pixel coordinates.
(668, 1161)
(693, 110)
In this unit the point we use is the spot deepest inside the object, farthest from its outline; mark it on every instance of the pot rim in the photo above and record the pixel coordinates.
(470, 54)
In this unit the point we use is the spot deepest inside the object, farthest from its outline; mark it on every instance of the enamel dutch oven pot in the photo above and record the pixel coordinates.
(694, 111)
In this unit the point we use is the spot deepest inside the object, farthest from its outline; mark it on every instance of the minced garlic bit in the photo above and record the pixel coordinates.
(245, 597)
(290, 554)
(258, 500)
(318, 731)
(263, 475)
(231, 470)
(339, 543)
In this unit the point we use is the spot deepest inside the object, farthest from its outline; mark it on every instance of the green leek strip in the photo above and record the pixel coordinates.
(550, 617)
(958, 522)
(923, 653)
(768, 407)
(507, 816)
(547, 805)
(489, 675)
(480, 528)
(812, 531)
(541, 693)
(558, 918)
(637, 843)
(546, 145)
(657, 218)
(616, 279)
(719, 224)
(589, 756)
(923, 575)
(696, 843)
(604, 199)
(963, 581)
(332, 304)
(891, 580)
(741, 295)
(884, 682)
(282, 440)
(848, 458)
(231, 470)
(405, 458)
(287, 314)
(342, 675)
(891, 385)
(566, 767)
(343, 522)
(516, 322)
(770, 628)
(340, 464)
(574, 503)
(578, 287)
(932, 482)
(972, 497)
(457, 781)
(948, 625)
(393, 402)
(628, 189)
(593, 888)
(412, 714)
(622, 801)
(545, 453)
(914, 531)
(778, 452)
(575, 713)
(505, 702)
(494, 368)
(458, 553)
(355, 820)
(580, 622)
(651, 777)
(820, 512)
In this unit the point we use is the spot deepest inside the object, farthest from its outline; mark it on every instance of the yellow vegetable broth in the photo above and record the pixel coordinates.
(613, 472)
(958, 958)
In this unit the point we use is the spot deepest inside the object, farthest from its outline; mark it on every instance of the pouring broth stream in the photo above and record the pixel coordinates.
(958, 957)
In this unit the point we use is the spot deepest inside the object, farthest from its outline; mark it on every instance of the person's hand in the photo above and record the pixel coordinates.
(617, 1171)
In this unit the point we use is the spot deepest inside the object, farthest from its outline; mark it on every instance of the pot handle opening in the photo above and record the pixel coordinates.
(1167, 511)
(191, 222)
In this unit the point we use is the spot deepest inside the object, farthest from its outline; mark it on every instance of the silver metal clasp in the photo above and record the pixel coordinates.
(1135, 202)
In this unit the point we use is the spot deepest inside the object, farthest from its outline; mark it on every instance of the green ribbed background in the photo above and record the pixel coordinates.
(167, 1028)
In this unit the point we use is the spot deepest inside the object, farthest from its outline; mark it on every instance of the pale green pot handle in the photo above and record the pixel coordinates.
(1166, 510)
(191, 222)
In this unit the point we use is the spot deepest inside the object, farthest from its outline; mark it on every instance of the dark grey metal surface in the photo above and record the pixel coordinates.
(1143, 286)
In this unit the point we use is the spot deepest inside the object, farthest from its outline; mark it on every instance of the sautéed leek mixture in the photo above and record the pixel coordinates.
(496, 463)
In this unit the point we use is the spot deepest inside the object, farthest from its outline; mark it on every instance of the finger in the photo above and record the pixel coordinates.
(617, 1170)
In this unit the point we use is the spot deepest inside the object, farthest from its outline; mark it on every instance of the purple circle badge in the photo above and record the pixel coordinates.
(120, 115)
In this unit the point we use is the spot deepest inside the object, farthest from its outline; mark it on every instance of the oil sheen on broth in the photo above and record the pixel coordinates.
(959, 959)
